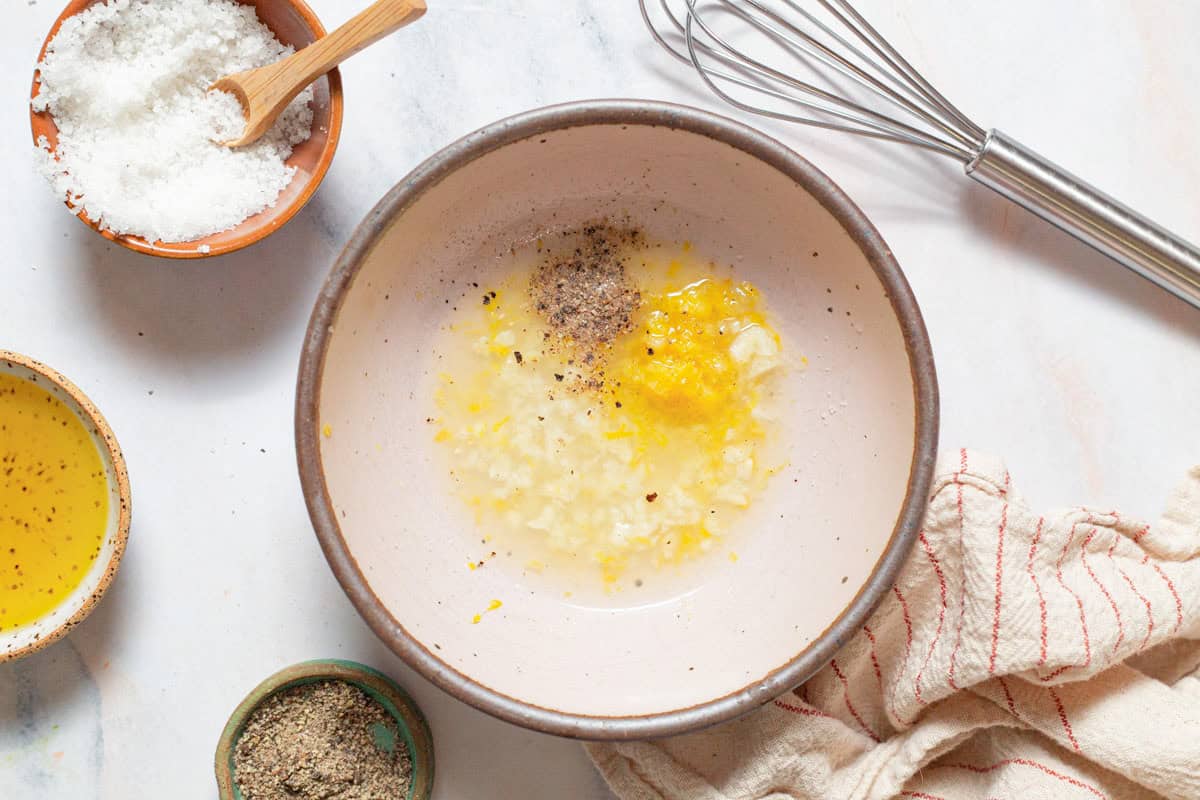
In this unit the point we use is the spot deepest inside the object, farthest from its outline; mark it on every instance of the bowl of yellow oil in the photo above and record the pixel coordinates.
(64, 506)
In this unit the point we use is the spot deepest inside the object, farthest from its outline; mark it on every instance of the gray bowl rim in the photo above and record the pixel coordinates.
(614, 113)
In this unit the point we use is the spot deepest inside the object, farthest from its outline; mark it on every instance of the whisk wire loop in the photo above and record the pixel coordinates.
(881, 45)
(725, 66)
(903, 94)
(766, 80)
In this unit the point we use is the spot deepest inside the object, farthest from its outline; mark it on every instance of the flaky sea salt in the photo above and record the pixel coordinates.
(127, 84)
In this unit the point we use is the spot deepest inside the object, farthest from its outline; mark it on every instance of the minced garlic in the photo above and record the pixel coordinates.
(642, 457)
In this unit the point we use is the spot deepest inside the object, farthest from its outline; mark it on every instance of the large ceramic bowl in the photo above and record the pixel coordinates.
(295, 24)
(58, 622)
(820, 548)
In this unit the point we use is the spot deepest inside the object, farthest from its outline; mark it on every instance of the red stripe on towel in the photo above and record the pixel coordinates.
(1025, 762)
(1103, 589)
(907, 623)
(1037, 537)
(1133, 588)
(849, 705)
(1175, 594)
(807, 712)
(907, 650)
(874, 658)
(1062, 716)
(937, 569)
(962, 594)
(1087, 642)
(999, 579)
(1008, 698)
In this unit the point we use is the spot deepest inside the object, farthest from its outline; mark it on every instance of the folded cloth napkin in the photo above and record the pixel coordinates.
(1016, 657)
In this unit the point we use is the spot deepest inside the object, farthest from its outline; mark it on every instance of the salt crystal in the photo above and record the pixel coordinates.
(127, 84)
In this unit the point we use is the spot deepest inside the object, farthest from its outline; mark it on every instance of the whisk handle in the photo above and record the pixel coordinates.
(1088, 214)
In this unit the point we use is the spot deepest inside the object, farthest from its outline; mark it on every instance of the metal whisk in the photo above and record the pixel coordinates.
(830, 68)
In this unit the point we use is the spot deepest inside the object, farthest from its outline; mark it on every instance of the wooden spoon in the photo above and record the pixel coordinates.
(265, 92)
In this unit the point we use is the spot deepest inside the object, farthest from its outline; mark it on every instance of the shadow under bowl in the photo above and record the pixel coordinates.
(295, 24)
(415, 735)
(21, 641)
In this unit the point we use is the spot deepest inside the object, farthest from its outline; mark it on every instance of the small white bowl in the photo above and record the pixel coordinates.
(821, 546)
(26, 639)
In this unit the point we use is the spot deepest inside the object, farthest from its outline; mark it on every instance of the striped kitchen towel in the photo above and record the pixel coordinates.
(1017, 657)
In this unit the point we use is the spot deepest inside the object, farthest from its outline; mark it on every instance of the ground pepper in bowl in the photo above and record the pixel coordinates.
(322, 741)
(585, 295)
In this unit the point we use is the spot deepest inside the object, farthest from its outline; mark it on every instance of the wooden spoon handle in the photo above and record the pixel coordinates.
(369, 26)
(266, 91)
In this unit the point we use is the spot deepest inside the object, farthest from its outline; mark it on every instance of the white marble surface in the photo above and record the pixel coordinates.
(1084, 376)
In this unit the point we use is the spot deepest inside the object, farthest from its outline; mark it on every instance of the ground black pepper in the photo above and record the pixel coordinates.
(586, 295)
(318, 742)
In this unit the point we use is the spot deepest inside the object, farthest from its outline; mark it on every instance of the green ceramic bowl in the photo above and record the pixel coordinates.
(414, 730)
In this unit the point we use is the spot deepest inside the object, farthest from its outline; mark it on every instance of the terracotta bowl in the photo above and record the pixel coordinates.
(24, 640)
(821, 547)
(414, 730)
(295, 24)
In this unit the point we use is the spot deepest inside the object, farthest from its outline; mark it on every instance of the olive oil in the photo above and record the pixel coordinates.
(53, 501)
